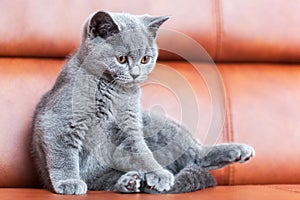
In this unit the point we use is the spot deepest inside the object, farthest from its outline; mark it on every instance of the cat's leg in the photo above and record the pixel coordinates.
(174, 147)
(159, 178)
(61, 155)
(132, 153)
(192, 178)
(64, 171)
(189, 179)
(213, 157)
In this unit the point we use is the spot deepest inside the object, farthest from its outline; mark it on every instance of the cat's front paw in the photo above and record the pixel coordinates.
(241, 152)
(161, 180)
(131, 182)
(70, 186)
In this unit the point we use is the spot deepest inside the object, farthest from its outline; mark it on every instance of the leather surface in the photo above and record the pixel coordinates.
(229, 30)
(56, 32)
(262, 97)
(258, 30)
(262, 110)
(22, 82)
(278, 192)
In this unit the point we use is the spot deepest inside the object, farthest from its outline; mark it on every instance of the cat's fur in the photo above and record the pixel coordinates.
(89, 131)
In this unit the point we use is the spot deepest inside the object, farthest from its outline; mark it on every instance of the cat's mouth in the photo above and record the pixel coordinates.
(121, 79)
(110, 75)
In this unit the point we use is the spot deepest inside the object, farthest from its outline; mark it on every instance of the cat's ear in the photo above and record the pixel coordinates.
(153, 23)
(101, 24)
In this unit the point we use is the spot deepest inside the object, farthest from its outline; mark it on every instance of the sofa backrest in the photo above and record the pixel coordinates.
(251, 30)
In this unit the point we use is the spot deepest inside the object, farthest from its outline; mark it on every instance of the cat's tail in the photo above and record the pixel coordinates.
(189, 179)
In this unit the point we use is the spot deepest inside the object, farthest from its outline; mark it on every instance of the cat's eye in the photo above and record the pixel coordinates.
(145, 59)
(122, 59)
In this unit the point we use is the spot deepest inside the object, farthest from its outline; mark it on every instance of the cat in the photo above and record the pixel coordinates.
(89, 131)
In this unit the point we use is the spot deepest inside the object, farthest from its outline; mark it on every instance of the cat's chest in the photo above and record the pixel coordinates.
(111, 101)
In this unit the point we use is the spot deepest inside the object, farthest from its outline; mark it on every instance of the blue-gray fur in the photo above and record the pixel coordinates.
(89, 131)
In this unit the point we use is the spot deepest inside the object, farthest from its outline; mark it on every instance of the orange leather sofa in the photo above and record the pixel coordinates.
(255, 45)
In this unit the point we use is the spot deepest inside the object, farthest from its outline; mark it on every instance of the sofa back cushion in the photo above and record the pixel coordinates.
(250, 30)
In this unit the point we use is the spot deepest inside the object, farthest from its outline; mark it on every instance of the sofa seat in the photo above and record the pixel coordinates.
(245, 192)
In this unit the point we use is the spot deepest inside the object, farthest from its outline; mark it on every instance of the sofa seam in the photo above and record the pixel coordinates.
(228, 135)
(219, 28)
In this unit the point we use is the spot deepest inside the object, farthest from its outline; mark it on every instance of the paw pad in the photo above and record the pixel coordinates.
(129, 183)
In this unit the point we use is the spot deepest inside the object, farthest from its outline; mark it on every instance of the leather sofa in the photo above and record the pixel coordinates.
(247, 89)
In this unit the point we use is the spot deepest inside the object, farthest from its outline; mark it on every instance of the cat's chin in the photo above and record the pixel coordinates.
(130, 84)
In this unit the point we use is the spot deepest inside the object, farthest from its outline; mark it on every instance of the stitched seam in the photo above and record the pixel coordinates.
(219, 27)
(227, 133)
(216, 11)
(230, 135)
(225, 138)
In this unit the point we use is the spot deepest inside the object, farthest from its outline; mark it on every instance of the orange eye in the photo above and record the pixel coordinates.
(122, 59)
(145, 59)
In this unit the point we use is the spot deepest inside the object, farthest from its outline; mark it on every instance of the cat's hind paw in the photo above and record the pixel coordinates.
(242, 153)
(70, 186)
(224, 154)
(131, 182)
(238, 153)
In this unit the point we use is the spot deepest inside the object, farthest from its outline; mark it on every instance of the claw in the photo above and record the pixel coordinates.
(238, 158)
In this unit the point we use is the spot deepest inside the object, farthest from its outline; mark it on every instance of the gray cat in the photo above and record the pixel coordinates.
(89, 131)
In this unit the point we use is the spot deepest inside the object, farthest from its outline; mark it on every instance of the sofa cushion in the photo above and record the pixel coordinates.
(262, 110)
(251, 30)
(279, 192)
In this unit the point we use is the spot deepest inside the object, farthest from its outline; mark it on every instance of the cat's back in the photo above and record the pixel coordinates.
(56, 104)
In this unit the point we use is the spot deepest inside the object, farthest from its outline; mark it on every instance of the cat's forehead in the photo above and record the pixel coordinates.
(129, 45)
(133, 35)
(127, 21)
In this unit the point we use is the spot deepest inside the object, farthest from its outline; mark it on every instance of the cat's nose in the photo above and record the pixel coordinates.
(134, 76)
(135, 72)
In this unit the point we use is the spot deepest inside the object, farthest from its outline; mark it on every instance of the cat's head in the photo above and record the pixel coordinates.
(125, 43)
